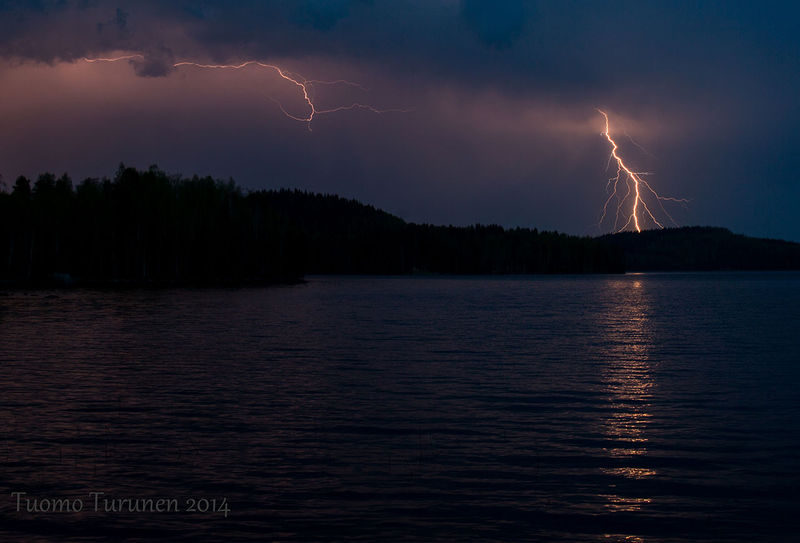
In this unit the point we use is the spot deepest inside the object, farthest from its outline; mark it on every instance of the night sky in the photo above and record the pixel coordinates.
(501, 128)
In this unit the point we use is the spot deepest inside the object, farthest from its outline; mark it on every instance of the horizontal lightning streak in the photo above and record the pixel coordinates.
(303, 84)
(114, 59)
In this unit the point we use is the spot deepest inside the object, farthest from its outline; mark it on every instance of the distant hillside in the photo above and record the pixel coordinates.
(148, 228)
(703, 248)
(345, 236)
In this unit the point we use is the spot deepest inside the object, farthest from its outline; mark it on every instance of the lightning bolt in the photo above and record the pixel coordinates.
(304, 85)
(635, 186)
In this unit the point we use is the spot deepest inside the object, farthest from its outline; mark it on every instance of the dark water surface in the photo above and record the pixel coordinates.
(656, 408)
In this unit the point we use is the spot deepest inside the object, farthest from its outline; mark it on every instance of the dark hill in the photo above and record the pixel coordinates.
(148, 228)
(345, 236)
(703, 248)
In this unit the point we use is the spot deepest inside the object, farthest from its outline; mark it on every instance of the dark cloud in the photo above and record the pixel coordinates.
(540, 46)
(155, 62)
(118, 22)
(497, 24)
(319, 14)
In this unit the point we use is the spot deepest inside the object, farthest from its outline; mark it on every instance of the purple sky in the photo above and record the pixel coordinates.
(503, 128)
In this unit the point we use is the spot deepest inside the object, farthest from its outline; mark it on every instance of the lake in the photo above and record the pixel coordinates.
(640, 407)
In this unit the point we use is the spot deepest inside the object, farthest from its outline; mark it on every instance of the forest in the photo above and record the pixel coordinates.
(703, 248)
(145, 227)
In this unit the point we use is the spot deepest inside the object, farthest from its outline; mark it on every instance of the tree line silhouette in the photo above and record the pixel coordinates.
(143, 227)
(147, 227)
(703, 248)
(345, 236)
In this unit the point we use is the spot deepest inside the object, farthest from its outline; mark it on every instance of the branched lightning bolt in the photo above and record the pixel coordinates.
(305, 86)
(635, 184)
